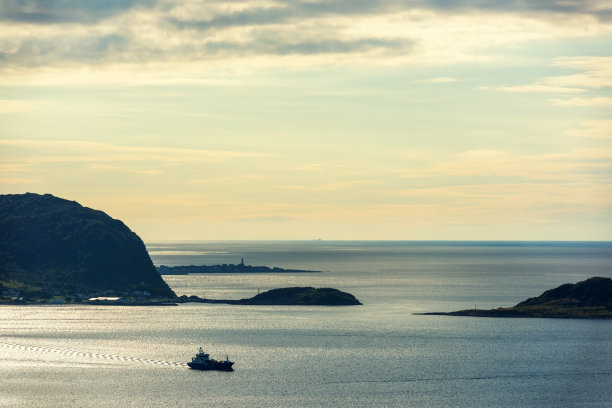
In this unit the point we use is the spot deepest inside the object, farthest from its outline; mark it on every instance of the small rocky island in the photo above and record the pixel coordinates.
(296, 296)
(224, 268)
(591, 298)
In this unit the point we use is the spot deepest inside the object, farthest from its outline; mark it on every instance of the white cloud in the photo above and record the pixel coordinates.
(437, 80)
(583, 102)
(539, 88)
(594, 129)
(96, 152)
(596, 72)
(567, 166)
(335, 186)
(195, 42)
(18, 180)
(12, 106)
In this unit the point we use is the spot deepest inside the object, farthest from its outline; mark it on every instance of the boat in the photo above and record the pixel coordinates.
(202, 361)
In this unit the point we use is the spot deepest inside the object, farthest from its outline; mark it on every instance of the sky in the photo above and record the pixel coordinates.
(314, 119)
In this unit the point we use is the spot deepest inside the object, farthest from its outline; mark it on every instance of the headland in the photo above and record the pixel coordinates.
(589, 299)
(54, 250)
(295, 296)
(225, 268)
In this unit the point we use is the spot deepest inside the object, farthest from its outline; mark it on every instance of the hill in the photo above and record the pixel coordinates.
(296, 296)
(50, 246)
(225, 268)
(303, 296)
(591, 298)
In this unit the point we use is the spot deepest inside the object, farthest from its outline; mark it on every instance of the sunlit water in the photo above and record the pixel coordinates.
(379, 354)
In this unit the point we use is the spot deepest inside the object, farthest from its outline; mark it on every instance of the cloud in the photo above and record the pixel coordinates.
(239, 14)
(599, 8)
(249, 17)
(596, 73)
(265, 45)
(13, 167)
(65, 11)
(124, 169)
(582, 102)
(265, 219)
(563, 167)
(595, 129)
(17, 180)
(539, 88)
(38, 151)
(335, 186)
(289, 10)
(437, 80)
(13, 106)
(33, 52)
(164, 41)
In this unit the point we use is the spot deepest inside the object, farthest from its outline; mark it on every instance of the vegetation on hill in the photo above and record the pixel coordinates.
(296, 296)
(225, 268)
(53, 247)
(303, 296)
(591, 298)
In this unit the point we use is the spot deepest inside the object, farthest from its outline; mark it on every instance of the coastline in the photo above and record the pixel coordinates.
(505, 313)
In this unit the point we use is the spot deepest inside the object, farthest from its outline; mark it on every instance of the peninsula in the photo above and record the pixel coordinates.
(591, 298)
(225, 268)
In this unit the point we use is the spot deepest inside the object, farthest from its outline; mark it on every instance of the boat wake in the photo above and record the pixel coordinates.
(88, 355)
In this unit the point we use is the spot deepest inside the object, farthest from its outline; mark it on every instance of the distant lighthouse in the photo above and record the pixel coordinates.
(241, 261)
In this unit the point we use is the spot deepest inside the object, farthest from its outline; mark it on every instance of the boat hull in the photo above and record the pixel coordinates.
(219, 366)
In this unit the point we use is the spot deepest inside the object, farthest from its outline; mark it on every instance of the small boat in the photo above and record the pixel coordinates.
(202, 361)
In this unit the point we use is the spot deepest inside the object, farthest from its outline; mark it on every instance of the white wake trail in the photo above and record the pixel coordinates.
(88, 355)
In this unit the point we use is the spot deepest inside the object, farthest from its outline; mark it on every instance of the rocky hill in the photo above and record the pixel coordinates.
(51, 246)
(303, 296)
(295, 296)
(593, 292)
(591, 298)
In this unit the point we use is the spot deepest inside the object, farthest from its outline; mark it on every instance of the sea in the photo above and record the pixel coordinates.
(381, 354)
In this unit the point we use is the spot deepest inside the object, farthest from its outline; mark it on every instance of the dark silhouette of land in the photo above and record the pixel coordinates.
(301, 296)
(591, 298)
(55, 249)
(225, 268)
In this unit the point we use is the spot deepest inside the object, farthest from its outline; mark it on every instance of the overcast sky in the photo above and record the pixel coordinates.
(346, 119)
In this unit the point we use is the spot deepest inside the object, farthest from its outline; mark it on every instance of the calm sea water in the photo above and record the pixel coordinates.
(379, 354)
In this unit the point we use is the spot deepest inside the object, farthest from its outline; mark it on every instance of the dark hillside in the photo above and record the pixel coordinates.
(62, 247)
(591, 292)
(303, 296)
(591, 298)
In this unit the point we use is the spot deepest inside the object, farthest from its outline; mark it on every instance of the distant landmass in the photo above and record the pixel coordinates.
(225, 268)
(55, 248)
(591, 298)
(300, 296)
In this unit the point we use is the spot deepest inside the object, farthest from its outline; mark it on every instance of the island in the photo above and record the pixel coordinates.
(224, 268)
(295, 296)
(591, 298)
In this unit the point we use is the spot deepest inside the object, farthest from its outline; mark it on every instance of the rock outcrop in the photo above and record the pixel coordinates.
(51, 246)
(296, 296)
(591, 298)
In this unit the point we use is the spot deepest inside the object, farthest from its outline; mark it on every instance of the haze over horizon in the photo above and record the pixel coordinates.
(377, 120)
